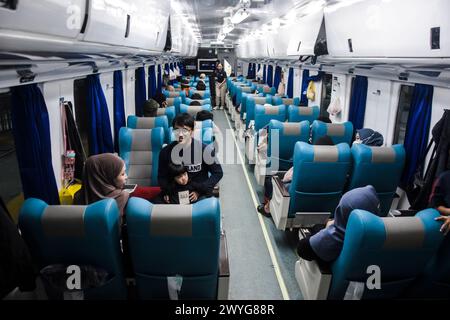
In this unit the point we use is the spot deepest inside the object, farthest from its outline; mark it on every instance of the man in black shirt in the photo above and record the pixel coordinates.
(203, 168)
(221, 86)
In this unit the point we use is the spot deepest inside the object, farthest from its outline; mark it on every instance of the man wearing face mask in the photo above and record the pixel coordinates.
(369, 137)
(204, 170)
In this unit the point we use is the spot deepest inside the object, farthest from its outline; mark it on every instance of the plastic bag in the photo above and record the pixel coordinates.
(335, 107)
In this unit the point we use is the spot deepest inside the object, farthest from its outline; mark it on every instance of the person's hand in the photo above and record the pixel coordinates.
(193, 196)
(166, 199)
(445, 228)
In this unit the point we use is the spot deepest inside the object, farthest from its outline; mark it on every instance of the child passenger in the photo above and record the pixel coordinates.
(179, 185)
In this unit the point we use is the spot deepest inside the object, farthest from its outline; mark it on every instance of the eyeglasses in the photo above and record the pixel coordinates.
(183, 131)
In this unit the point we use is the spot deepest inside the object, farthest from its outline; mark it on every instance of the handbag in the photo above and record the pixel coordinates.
(311, 92)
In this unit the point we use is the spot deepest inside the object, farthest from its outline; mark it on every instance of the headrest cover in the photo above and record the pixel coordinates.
(170, 102)
(326, 153)
(63, 221)
(292, 129)
(260, 100)
(161, 111)
(335, 129)
(142, 140)
(171, 221)
(383, 155)
(145, 123)
(305, 111)
(288, 102)
(271, 110)
(406, 232)
(173, 94)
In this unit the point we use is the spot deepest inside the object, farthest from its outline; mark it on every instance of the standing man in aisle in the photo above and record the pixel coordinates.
(221, 86)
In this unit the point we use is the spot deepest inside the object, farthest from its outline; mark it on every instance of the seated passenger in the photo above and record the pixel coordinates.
(369, 137)
(203, 168)
(326, 245)
(197, 96)
(264, 208)
(440, 199)
(161, 99)
(151, 108)
(104, 176)
(195, 103)
(179, 184)
(201, 86)
(204, 115)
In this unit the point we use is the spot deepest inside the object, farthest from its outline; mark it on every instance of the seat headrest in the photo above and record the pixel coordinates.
(63, 221)
(409, 233)
(171, 221)
(260, 100)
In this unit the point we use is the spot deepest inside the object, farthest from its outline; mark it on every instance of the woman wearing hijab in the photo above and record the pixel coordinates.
(104, 177)
(326, 245)
(369, 137)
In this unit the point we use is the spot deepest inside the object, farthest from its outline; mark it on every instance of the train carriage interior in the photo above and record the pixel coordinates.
(224, 149)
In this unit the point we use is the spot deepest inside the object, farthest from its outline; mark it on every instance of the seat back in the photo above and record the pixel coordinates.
(338, 132)
(193, 110)
(175, 240)
(245, 97)
(286, 101)
(135, 122)
(251, 106)
(289, 134)
(175, 102)
(299, 114)
(380, 167)
(77, 235)
(267, 90)
(399, 247)
(202, 102)
(319, 177)
(169, 112)
(204, 94)
(434, 282)
(263, 115)
(140, 149)
(174, 94)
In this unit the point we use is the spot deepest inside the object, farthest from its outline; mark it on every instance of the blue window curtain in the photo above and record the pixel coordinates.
(100, 137)
(249, 71)
(265, 74)
(259, 67)
(270, 75)
(358, 102)
(290, 84)
(31, 131)
(167, 69)
(160, 80)
(151, 82)
(277, 78)
(306, 78)
(182, 69)
(119, 107)
(140, 91)
(254, 71)
(417, 129)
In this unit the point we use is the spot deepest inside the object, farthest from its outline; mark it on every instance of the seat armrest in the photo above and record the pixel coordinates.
(279, 183)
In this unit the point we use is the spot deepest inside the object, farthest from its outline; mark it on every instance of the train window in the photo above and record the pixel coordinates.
(327, 82)
(81, 111)
(404, 104)
(10, 183)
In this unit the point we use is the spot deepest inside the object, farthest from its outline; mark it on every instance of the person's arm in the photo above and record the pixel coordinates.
(437, 198)
(214, 169)
(443, 210)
